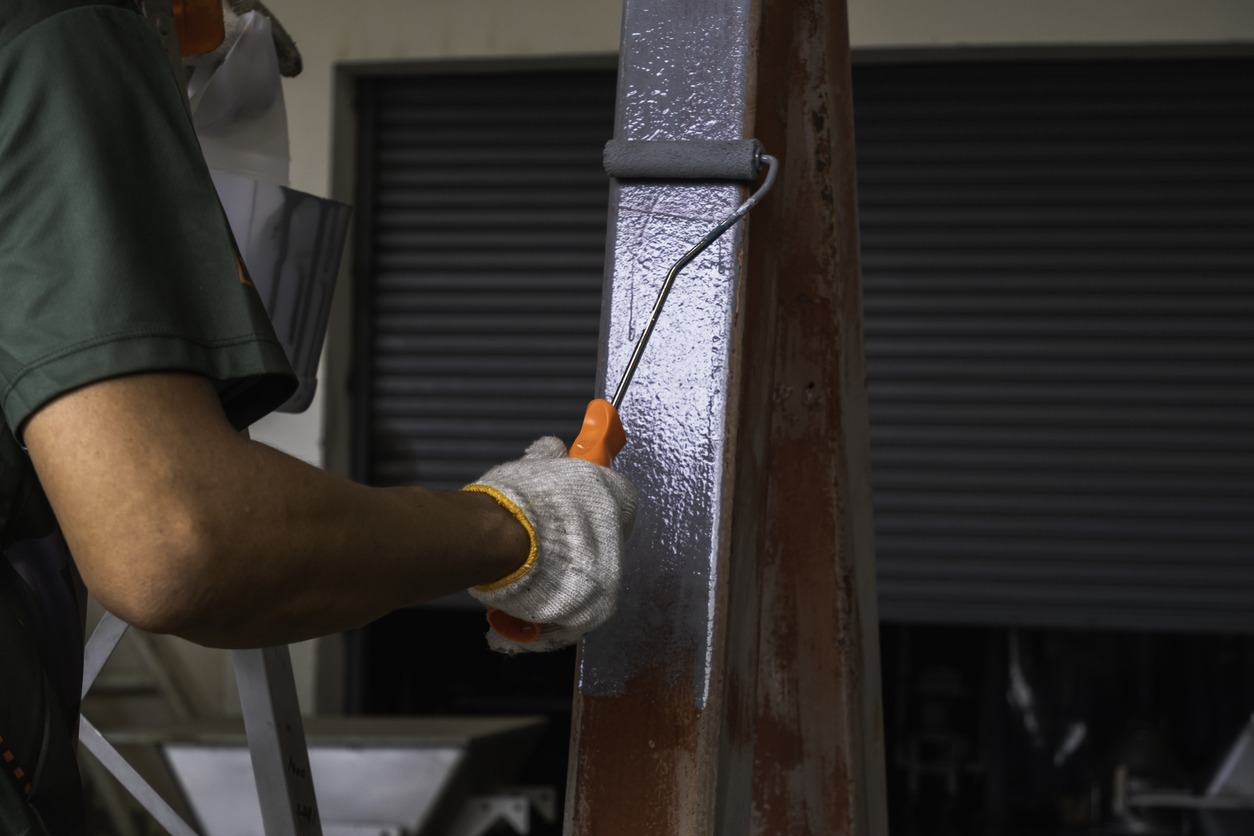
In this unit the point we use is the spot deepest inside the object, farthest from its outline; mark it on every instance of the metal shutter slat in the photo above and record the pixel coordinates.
(487, 246)
(1059, 289)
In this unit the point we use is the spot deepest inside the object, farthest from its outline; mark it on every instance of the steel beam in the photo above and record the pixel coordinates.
(737, 690)
(817, 716)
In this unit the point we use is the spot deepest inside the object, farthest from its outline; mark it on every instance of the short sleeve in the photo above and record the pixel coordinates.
(115, 255)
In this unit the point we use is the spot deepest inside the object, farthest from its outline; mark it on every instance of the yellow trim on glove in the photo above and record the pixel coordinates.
(508, 504)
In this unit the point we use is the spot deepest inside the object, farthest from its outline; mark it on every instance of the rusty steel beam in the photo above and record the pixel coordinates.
(737, 690)
(818, 731)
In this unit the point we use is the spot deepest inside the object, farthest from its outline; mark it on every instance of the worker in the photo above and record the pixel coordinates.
(133, 350)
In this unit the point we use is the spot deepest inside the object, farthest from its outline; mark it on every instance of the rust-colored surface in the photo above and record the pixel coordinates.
(818, 761)
(638, 770)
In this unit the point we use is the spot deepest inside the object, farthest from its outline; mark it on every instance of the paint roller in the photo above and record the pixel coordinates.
(706, 161)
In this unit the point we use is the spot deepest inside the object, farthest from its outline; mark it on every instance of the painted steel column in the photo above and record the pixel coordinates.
(737, 690)
(643, 734)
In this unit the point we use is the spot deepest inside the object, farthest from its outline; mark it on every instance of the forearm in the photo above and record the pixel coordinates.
(179, 524)
(302, 553)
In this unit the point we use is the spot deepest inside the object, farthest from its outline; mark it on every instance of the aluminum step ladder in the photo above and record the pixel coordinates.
(272, 722)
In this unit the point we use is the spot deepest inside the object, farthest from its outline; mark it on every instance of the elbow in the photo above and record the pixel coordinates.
(155, 604)
(163, 581)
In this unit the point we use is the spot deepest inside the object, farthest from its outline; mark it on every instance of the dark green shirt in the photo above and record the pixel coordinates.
(115, 258)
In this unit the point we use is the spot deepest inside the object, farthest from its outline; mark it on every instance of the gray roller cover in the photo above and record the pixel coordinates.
(735, 159)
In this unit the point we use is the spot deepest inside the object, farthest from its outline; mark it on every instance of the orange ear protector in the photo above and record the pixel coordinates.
(199, 25)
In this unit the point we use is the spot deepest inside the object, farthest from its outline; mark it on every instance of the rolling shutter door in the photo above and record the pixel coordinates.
(1058, 266)
(1059, 285)
(480, 287)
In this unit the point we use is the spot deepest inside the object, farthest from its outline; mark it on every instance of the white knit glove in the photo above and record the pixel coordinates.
(578, 515)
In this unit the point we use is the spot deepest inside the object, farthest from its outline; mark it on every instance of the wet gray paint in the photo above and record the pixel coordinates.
(682, 76)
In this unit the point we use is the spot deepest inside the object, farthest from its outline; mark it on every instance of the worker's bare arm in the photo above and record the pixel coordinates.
(179, 524)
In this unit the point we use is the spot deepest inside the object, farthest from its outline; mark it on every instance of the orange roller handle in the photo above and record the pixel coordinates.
(599, 441)
(602, 435)
(513, 628)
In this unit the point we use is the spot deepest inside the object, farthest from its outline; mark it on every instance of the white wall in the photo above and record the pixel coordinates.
(984, 23)
(329, 33)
